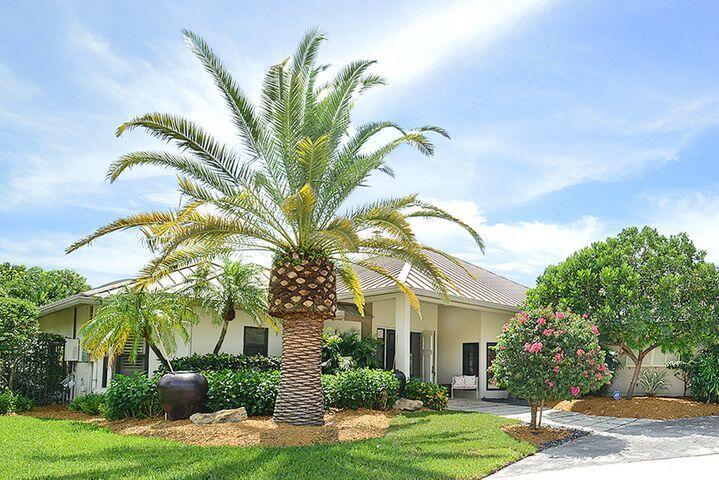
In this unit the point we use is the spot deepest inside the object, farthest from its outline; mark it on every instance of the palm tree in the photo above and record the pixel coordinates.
(286, 193)
(158, 318)
(236, 287)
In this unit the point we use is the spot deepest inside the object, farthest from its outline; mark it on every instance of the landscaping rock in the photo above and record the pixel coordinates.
(223, 416)
(407, 404)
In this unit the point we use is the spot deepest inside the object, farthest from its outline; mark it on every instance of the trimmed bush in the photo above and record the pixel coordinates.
(224, 361)
(362, 388)
(89, 404)
(432, 395)
(252, 389)
(343, 351)
(704, 375)
(11, 402)
(132, 396)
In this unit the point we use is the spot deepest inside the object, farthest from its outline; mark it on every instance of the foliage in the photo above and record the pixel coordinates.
(681, 370)
(237, 286)
(362, 388)
(18, 330)
(287, 192)
(39, 286)
(704, 375)
(158, 318)
(432, 395)
(644, 291)
(40, 371)
(543, 355)
(89, 404)
(252, 389)
(12, 402)
(346, 351)
(224, 361)
(477, 448)
(653, 382)
(132, 396)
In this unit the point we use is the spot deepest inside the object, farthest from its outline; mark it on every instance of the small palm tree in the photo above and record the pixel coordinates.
(158, 318)
(237, 286)
(286, 193)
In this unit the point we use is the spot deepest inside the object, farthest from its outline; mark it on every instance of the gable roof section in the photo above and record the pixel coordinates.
(487, 288)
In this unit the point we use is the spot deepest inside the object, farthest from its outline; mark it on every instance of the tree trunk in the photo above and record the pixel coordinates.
(637, 368)
(221, 340)
(299, 397)
(160, 356)
(533, 417)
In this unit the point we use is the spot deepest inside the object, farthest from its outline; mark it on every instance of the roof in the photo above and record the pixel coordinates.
(485, 289)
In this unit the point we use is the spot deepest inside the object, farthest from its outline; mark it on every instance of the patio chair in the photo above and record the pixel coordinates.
(465, 382)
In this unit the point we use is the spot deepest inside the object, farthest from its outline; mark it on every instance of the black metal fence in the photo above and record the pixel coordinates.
(42, 370)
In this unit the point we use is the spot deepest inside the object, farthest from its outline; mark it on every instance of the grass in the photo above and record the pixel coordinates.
(417, 446)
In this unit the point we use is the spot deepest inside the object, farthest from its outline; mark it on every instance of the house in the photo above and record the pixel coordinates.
(451, 338)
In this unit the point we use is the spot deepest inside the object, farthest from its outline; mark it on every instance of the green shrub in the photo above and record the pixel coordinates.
(11, 402)
(89, 404)
(347, 351)
(224, 361)
(432, 395)
(132, 396)
(252, 389)
(704, 375)
(362, 388)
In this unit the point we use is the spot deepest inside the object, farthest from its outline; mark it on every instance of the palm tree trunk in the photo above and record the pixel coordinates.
(221, 340)
(299, 397)
(160, 356)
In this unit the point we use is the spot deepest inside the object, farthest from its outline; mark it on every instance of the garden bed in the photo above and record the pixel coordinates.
(543, 437)
(659, 408)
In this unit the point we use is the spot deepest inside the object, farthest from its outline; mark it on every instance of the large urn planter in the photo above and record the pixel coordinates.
(182, 394)
(402, 381)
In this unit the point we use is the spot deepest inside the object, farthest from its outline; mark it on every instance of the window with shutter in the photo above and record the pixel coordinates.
(470, 359)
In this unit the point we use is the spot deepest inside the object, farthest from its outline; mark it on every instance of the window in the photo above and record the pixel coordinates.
(124, 366)
(470, 359)
(255, 341)
(491, 355)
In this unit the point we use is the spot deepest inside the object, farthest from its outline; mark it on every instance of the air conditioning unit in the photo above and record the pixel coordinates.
(72, 350)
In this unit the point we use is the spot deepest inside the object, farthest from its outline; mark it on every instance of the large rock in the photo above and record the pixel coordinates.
(222, 416)
(407, 404)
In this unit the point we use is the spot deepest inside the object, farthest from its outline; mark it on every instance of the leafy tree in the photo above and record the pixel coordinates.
(543, 355)
(287, 196)
(644, 291)
(18, 331)
(39, 286)
(158, 318)
(237, 286)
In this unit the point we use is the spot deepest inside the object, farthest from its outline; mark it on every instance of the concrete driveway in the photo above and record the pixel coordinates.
(660, 449)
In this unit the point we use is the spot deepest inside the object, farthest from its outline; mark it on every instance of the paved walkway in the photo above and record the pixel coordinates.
(618, 446)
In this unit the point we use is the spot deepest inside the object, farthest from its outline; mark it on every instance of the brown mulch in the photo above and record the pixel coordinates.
(340, 426)
(659, 408)
(539, 437)
(59, 412)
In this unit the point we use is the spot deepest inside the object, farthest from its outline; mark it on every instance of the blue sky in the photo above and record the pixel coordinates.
(569, 120)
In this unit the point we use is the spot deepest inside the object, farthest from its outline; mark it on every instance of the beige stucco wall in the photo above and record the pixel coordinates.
(656, 360)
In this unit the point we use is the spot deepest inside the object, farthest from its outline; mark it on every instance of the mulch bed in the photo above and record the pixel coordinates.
(544, 437)
(340, 426)
(659, 408)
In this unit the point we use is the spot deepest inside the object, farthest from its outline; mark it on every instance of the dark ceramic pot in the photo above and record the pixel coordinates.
(182, 394)
(402, 381)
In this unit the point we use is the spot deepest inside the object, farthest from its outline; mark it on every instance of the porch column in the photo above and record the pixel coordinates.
(401, 321)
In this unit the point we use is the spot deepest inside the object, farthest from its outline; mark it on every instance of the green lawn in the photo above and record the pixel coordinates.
(424, 445)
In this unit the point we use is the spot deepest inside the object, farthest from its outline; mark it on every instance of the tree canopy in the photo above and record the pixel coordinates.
(39, 286)
(18, 331)
(644, 290)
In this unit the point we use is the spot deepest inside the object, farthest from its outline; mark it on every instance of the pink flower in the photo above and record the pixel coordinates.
(558, 357)
(533, 347)
(560, 315)
(594, 329)
(580, 352)
(601, 367)
(585, 373)
(505, 327)
(599, 376)
(575, 391)
(556, 369)
(541, 321)
(585, 316)
(547, 332)
(549, 383)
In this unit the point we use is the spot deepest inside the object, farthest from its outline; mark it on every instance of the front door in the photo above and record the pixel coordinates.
(415, 355)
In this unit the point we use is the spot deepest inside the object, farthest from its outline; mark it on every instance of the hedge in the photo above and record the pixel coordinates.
(224, 361)
(432, 395)
(132, 396)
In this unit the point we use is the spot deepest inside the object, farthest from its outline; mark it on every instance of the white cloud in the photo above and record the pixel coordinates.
(521, 250)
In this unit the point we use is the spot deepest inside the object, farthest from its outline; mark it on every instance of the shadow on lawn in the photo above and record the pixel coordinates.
(423, 454)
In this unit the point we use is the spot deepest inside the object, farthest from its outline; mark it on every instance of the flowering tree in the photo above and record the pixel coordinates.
(543, 355)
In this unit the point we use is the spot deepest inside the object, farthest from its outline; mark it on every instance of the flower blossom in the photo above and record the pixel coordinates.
(580, 352)
(547, 332)
(535, 347)
(575, 391)
(560, 315)
(594, 329)
(541, 321)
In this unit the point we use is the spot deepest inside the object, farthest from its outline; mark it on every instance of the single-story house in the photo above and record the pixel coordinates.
(450, 339)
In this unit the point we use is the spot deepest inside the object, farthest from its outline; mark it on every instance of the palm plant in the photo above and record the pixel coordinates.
(237, 286)
(158, 318)
(286, 194)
